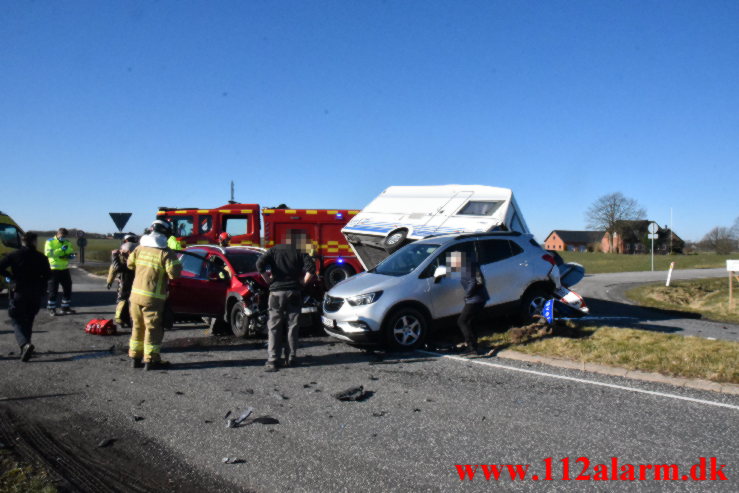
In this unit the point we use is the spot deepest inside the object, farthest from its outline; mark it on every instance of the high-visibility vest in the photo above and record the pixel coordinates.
(153, 268)
(58, 255)
(173, 244)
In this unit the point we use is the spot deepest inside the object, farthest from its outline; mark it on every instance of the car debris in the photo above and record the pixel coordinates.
(227, 414)
(232, 460)
(265, 420)
(106, 443)
(356, 394)
(235, 423)
(137, 418)
(280, 396)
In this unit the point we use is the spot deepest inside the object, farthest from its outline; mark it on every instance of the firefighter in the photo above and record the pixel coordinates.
(29, 273)
(119, 269)
(154, 264)
(224, 239)
(59, 251)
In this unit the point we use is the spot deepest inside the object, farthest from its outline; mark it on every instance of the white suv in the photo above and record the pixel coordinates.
(396, 303)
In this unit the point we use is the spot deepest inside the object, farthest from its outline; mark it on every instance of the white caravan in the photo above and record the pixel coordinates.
(403, 214)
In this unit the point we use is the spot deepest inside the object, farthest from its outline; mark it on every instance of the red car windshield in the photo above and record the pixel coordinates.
(243, 262)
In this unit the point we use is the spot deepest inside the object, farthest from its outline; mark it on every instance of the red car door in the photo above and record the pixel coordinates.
(185, 292)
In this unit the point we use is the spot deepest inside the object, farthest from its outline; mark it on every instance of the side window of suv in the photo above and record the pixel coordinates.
(193, 266)
(497, 250)
(467, 247)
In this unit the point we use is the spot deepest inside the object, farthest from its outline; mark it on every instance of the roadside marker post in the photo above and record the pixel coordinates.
(733, 267)
(669, 274)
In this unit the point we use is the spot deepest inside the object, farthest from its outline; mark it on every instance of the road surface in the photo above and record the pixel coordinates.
(426, 414)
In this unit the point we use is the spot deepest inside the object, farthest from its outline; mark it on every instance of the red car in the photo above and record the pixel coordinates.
(224, 285)
(218, 283)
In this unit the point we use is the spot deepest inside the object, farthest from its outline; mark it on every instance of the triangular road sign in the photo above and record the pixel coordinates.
(120, 219)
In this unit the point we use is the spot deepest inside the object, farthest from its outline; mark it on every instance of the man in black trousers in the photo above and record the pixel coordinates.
(475, 296)
(28, 271)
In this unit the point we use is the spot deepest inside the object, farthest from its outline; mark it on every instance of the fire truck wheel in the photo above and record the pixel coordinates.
(239, 320)
(337, 273)
(394, 240)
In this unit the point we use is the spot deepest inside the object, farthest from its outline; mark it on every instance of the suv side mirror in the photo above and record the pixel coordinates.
(440, 272)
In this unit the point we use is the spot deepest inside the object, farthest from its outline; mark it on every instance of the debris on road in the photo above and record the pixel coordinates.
(279, 395)
(106, 443)
(232, 460)
(138, 418)
(266, 420)
(356, 394)
(380, 414)
(227, 414)
(235, 423)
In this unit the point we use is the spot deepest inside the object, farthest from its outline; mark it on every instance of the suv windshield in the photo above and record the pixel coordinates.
(405, 260)
(244, 263)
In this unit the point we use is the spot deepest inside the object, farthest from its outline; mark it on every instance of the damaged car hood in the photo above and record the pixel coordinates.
(366, 282)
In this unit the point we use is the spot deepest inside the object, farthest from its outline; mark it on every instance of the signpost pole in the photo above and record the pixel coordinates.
(733, 267)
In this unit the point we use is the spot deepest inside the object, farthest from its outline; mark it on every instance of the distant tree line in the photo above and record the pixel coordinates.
(721, 239)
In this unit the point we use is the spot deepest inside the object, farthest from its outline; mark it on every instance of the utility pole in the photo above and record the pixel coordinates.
(670, 230)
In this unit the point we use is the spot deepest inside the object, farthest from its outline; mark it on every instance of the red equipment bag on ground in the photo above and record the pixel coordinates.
(100, 327)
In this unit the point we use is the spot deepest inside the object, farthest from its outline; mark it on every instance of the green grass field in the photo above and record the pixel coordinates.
(688, 357)
(708, 297)
(598, 263)
(98, 249)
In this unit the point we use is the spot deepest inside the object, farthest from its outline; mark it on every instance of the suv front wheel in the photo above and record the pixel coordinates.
(405, 329)
(532, 303)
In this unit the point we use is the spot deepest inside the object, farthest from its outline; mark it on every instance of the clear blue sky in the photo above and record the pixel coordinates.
(129, 105)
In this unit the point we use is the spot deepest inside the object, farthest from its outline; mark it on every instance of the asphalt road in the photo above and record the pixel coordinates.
(426, 414)
(605, 295)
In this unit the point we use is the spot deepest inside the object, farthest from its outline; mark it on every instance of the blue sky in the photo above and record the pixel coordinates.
(129, 105)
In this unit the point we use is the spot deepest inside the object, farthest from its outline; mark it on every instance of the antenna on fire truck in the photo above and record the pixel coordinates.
(232, 201)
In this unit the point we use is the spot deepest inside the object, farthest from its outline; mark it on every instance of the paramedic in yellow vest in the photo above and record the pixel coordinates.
(173, 243)
(154, 265)
(59, 250)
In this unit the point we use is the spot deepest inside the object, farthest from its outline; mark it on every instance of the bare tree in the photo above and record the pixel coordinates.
(609, 209)
(719, 239)
(735, 228)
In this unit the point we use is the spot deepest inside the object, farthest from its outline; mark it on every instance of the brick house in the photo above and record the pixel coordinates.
(576, 241)
(632, 237)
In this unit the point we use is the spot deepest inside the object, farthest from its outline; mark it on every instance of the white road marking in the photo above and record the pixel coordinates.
(582, 380)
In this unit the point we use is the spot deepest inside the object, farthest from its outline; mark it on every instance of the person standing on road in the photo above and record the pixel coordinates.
(29, 273)
(154, 265)
(119, 268)
(59, 251)
(475, 296)
(286, 268)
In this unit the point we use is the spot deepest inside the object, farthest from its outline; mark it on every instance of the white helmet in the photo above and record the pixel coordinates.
(163, 227)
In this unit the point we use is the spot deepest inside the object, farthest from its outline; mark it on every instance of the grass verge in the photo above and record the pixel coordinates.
(598, 263)
(708, 297)
(22, 478)
(689, 357)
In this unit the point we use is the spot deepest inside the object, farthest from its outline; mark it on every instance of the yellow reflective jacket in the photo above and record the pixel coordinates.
(154, 267)
(58, 255)
(173, 243)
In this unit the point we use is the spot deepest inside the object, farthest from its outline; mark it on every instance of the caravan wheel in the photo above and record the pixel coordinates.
(394, 240)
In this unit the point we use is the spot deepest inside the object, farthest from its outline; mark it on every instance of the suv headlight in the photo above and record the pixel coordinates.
(364, 299)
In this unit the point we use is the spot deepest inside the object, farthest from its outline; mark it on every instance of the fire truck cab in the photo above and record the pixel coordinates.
(335, 261)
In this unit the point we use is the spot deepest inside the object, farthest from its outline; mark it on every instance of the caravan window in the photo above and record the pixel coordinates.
(480, 208)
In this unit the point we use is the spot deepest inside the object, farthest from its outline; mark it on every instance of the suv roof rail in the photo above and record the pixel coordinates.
(489, 233)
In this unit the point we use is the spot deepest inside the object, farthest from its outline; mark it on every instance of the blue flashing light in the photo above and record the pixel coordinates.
(339, 215)
(340, 261)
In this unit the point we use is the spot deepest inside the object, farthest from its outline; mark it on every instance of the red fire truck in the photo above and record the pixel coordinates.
(335, 261)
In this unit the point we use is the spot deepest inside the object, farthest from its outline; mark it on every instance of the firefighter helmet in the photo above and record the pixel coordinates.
(162, 227)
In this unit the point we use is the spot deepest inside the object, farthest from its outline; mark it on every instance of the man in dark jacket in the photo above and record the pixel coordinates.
(119, 269)
(286, 268)
(29, 271)
(475, 296)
